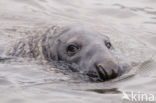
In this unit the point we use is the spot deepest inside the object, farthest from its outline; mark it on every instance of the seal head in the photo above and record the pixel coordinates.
(88, 49)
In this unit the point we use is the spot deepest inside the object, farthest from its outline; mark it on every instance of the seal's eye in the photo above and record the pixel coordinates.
(108, 44)
(72, 49)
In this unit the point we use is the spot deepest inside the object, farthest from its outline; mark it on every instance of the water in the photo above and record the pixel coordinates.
(130, 24)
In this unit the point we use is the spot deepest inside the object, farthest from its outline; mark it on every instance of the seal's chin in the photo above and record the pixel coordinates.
(100, 77)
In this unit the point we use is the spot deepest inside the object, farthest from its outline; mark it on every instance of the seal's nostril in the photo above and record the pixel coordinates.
(102, 72)
(114, 74)
(100, 68)
(106, 72)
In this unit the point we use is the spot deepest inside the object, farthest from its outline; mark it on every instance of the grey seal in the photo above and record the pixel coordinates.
(73, 44)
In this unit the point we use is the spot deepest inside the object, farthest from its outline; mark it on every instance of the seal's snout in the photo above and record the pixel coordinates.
(106, 72)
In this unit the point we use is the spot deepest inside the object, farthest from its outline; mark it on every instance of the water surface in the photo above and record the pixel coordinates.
(130, 24)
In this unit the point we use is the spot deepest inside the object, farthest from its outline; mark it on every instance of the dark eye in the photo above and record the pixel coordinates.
(108, 44)
(72, 49)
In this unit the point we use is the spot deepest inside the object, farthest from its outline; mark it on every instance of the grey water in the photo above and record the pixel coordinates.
(130, 24)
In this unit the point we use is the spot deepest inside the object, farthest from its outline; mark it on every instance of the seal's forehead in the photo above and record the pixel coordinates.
(86, 32)
(79, 32)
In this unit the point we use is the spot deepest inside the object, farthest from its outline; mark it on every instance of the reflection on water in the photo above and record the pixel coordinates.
(105, 91)
(130, 24)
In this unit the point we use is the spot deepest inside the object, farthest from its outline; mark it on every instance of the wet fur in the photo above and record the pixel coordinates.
(36, 46)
